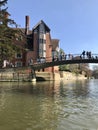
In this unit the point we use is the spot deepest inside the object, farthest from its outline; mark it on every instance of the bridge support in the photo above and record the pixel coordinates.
(33, 76)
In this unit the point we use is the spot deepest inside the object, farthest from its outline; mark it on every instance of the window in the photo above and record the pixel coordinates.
(18, 55)
(40, 40)
(18, 64)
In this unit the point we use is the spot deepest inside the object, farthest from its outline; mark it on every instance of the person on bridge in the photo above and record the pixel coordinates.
(89, 55)
(83, 53)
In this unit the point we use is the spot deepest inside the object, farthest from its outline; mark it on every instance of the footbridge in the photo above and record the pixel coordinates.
(73, 59)
(27, 73)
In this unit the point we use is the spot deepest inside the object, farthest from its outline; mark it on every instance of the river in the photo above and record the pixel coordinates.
(62, 105)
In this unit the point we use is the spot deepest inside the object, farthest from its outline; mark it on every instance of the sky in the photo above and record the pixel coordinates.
(73, 22)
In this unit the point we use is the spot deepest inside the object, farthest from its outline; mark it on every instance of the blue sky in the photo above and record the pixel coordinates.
(73, 22)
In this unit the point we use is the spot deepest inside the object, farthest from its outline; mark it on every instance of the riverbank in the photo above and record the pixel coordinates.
(26, 75)
(63, 75)
(72, 76)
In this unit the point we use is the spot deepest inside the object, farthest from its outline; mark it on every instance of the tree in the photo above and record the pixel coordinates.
(7, 34)
(95, 71)
(75, 68)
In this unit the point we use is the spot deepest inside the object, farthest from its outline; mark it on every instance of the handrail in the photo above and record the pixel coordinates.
(74, 59)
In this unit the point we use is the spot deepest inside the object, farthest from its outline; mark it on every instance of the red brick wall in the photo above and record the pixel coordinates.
(48, 47)
(48, 51)
(21, 45)
(35, 50)
(33, 54)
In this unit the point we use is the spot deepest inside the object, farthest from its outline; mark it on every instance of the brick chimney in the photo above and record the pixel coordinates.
(27, 20)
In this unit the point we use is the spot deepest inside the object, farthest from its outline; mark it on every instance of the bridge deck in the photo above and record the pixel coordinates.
(56, 63)
(74, 59)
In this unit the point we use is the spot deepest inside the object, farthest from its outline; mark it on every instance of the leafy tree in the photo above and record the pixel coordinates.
(74, 68)
(62, 51)
(95, 71)
(64, 68)
(77, 69)
(85, 68)
(7, 34)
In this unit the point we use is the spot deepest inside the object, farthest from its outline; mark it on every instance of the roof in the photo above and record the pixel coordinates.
(23, 31)
(55, 44)
(41, 21)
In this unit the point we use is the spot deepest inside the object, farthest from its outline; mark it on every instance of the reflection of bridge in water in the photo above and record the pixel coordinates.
(72, 59)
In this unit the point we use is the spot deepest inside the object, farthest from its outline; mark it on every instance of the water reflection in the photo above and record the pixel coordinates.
(70, 105)
(60, 88)
(75, 89)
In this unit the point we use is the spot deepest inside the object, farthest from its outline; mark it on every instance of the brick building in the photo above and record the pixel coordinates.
(37, 47)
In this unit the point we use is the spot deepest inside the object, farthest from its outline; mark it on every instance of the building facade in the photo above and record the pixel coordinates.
(37, 47)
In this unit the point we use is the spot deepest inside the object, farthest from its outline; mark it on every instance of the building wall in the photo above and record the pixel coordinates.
(34, 53)
(35, 46)
(21, 51)
(48, 47)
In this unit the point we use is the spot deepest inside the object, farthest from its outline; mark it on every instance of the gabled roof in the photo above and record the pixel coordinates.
(41, 21)
(55, 44)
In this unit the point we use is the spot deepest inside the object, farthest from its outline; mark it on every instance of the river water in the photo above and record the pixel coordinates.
(62, 105)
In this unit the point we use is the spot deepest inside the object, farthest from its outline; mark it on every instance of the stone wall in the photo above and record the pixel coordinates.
(72, 76)
(47, 76)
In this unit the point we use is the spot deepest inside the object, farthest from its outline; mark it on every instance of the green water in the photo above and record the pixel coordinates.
(49, 105)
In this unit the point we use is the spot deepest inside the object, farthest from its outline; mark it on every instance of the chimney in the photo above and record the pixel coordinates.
(27, 19)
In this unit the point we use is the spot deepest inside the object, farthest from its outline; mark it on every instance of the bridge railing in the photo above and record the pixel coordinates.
(69, 57)
(56, 58)
(66, 57)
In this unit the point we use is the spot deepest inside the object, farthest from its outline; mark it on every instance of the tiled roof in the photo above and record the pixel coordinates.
(23, 30)
(55, 43)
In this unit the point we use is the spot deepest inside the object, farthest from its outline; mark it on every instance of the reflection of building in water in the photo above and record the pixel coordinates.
(76, 88)
(50, 103)
(43, 100)
(2, 100)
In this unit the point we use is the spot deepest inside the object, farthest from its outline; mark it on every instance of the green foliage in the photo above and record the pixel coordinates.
(61, 51)
(95, 71)
(7, 34)
(64, 68)
(77, 69)
(74, 68)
